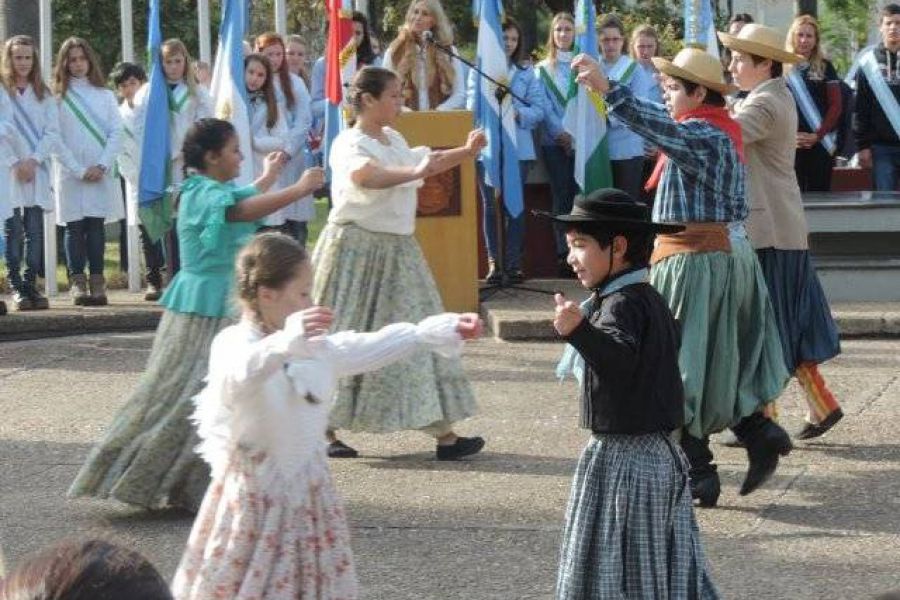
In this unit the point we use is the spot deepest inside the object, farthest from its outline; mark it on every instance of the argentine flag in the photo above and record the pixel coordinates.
(700, 27)
(585, 117)
(154, 195)
(499, 121)
(229, 91)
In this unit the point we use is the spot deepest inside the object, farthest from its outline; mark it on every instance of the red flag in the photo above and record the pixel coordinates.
(340, 48)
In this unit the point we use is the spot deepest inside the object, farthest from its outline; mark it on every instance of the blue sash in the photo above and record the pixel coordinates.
(571, 361)
(869, 66)
(809, 109)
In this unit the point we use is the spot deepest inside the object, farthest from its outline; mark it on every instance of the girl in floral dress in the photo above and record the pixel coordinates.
(271, 524)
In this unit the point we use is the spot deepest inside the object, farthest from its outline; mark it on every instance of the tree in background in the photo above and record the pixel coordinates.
(845, 29)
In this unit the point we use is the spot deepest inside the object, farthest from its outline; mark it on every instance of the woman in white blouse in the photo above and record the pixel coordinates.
(431, 79)
(87, 191)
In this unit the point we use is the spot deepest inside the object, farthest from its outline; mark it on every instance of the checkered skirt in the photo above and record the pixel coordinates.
(630, 529)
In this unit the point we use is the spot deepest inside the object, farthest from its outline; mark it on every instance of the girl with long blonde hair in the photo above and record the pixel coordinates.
(816, 87)
(431, 80)
(36, 120)
(87, 191)
(556, 144)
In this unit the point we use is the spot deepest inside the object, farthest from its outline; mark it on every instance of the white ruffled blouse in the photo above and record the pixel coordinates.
(272, 394)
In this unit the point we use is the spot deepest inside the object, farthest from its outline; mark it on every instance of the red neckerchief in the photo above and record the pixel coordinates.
(716, 116)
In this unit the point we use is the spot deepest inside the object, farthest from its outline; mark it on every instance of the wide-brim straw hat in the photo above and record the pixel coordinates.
(615, 209)
(761, 41)
(697, 66)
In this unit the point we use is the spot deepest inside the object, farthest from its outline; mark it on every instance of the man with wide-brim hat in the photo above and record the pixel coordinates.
(626, 343)
(730, 354)
(777, 224)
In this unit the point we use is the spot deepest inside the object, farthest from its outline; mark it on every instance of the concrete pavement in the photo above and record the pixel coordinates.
(826, 527)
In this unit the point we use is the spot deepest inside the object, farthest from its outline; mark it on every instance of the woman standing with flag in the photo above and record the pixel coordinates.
(817, 91)
(557, 149)
(87, 192)
(518, 149)
(36, 120)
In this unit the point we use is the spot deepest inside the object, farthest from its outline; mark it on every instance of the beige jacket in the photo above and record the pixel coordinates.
(768, 118)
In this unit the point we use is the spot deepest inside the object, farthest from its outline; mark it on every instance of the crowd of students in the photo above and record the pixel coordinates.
(235, 421)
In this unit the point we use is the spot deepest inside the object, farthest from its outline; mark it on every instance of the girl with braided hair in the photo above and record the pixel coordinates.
(146, 457)
(272, 524)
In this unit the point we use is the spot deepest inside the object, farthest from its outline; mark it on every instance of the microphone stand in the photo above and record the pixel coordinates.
(502, 90)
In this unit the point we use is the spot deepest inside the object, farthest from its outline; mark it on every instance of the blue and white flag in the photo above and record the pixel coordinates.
(153, 182)
(700, 27)
(229, 90)
(500, 157)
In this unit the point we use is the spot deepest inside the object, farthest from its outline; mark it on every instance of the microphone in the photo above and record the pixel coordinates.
(428, 36)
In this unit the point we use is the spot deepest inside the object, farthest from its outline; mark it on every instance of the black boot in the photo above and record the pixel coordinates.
(765, 441)
(705, 486)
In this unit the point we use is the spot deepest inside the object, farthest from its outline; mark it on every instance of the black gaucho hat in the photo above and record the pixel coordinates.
(613, 207)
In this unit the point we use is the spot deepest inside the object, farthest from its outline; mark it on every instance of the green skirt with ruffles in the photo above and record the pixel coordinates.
(731, 360)
(371, 280)
(146, 457)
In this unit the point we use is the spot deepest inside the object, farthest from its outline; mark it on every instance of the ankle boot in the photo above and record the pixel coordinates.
(98, 290)
(765, 441)
(706, 488)
(79, 289)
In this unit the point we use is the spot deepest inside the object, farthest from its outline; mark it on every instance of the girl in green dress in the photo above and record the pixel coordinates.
(147, 457)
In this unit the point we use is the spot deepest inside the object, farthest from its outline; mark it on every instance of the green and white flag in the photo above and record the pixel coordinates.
(585, 118)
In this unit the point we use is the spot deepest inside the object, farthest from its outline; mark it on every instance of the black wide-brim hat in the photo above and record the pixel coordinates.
(613, 207)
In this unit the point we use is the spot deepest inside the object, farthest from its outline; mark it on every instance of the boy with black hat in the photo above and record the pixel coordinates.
(731, 364)
(630, 528)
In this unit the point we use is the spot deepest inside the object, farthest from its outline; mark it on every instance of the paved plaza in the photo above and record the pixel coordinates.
(827, 526)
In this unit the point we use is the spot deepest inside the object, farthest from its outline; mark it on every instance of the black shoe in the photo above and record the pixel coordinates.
(338, 449)
(706, 489)
(814, 430)
(38, 301)
(2, 308)
(463, 447)
(515, 276)
(764, 445)
(21, 300)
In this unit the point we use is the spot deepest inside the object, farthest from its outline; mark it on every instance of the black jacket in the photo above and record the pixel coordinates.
(870, 125)
(632, 384)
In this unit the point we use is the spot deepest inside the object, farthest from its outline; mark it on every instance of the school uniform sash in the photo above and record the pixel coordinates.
(623, 70)
(28, 130)
(809, 109)
(89, 120)
(868, 64)
(550, 81)
(177, 100)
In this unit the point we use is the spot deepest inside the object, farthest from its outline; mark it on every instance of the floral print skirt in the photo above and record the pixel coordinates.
(147, 457)
(371, 280)
(254, 540)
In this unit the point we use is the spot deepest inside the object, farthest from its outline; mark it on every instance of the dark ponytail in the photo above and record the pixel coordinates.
(205, 135)
(368, 80)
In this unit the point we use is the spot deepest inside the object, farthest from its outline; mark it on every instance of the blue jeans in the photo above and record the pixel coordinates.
(85, 243)
(24, 235)
(514, 227)
(561, 172)
(885, 167)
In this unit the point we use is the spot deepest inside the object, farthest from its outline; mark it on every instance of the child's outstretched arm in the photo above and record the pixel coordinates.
(378, 177)
(249, 365)
(261, 205)
(353, 353)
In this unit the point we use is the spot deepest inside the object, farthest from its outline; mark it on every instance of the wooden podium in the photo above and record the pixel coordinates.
(447, 218)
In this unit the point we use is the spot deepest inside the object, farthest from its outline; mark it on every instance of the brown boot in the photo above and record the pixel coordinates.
(98, 291)
(79, 289)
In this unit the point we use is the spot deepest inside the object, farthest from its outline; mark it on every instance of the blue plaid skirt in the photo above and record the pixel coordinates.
(630, 529)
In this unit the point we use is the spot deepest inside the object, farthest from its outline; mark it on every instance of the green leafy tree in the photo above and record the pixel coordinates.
(845, 25)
